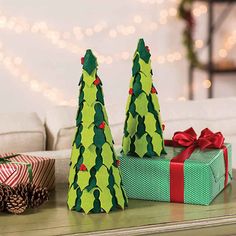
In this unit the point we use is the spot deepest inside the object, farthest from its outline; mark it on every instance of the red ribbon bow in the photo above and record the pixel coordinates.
(207, 139)
(188, 139)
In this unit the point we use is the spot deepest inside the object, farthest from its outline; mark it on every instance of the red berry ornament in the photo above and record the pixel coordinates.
(102, 125)
(83, 167)
(117, 163)
(97, 81)
(147, 48)
(82, 60)
(163, 127)
(131, 91)
(153, 90)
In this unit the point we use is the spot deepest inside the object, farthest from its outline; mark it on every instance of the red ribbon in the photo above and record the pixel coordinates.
(188, 139)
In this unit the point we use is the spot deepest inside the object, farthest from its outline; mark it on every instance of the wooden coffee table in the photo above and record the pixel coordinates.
(141, 218)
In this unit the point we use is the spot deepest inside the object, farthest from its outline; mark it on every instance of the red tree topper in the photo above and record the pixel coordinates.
(97, 81)
(83, 167)
(102, 125)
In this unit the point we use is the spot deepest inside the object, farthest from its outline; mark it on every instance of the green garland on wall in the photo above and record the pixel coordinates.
(185, 13)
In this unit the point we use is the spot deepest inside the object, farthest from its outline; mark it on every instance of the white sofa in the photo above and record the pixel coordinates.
(216, 114)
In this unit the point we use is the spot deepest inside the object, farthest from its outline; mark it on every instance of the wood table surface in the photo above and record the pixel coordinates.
(141, 218)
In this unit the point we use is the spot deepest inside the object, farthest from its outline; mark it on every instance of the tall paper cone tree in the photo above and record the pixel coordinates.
(143, 127)
(95, 183)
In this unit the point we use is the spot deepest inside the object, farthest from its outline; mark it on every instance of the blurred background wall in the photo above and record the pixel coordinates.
(41, 43)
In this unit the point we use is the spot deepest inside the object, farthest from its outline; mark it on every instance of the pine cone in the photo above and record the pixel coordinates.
(38, 197)
(5, 192)
(34, 196)
(23, 190)
(16, 204)
(2, 202)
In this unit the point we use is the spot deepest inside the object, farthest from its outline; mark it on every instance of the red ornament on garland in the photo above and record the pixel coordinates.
(117, 163)
(102, 125)
(153, 90)
(190, 20)
(82, 60)
(83, 167)
(131, 91)
(97, 81)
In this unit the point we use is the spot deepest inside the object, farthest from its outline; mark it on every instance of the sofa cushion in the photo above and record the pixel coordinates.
(60, 127)
(21, 132)
(216, 114)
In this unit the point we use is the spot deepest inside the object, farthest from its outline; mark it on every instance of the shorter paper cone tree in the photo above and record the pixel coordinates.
(95, 183)
(143, 127)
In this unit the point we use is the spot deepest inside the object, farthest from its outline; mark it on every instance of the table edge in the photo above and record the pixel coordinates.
(166, 227)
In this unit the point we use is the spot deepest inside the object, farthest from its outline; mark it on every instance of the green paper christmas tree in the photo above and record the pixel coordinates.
(95, 183)
(143, 127)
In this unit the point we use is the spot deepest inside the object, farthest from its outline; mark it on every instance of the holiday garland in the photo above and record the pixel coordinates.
(185, 13)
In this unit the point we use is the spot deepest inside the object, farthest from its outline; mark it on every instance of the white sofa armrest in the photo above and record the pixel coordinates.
(60, 127)
(21, 132)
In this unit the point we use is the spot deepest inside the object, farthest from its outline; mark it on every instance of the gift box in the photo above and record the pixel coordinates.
(19, 168)
(203, 176)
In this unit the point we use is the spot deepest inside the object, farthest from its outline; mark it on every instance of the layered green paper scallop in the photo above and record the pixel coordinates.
(143, 135)
(95, 183)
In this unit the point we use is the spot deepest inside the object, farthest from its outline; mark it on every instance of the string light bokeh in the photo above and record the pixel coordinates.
(15, 66)
(70, 41)
(64, 40)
